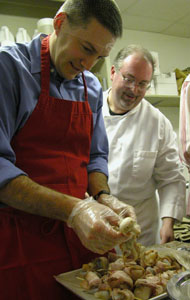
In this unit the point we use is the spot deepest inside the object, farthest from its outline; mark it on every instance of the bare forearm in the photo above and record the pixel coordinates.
(166, 231)
(97, 183)
(24, 194)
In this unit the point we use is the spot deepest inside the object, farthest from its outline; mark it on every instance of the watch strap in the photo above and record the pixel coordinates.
(100, 193)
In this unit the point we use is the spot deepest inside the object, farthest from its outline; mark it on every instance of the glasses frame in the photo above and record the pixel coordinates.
(129, 82)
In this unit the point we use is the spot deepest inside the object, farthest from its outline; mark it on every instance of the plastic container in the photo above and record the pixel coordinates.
(45, 25)
(6, 37)
(178, 287)
(22, 36)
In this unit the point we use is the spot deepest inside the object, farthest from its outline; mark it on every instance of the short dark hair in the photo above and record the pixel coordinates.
(129, 50)
(105, 11)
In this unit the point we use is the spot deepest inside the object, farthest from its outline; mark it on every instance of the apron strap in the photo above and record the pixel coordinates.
(85, 87)
(45, 65)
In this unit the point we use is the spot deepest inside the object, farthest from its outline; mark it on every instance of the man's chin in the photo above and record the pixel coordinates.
(128, 106)
(69, 76)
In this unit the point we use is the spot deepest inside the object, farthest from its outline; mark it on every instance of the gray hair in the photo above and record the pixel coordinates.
(106, 12)
(129, 50)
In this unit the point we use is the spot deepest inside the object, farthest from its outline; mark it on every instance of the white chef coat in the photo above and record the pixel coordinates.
(143, 158)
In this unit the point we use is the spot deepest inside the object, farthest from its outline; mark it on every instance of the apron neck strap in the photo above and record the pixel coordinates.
(45, 65)
(85, 87)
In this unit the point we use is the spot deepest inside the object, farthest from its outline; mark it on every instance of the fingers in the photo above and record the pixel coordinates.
(97, 225)
(130, 212)
(102, 237)
(122, 209)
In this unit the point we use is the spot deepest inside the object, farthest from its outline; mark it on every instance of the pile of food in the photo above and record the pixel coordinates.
(116, 278)
(139, 273)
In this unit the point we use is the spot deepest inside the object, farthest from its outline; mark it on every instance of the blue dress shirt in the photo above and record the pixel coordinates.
(20, 67)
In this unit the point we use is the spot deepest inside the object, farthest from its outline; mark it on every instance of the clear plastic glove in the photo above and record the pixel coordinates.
(96, 226)
(122, 209)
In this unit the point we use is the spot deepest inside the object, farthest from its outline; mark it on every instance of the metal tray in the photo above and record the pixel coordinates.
(70, 281)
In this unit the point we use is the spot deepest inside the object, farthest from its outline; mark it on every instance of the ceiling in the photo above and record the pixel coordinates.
(169, 17)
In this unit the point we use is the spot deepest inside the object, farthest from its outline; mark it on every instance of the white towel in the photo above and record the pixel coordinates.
(182, 229)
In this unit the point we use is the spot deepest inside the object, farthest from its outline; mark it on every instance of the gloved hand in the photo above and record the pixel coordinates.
(122, 209)
(96, 225)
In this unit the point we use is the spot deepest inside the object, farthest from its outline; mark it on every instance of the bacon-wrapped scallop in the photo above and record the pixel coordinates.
(146, 288)
(117, 265)
(104, 295)
(118, 294)
(99, 265)
(91, 281)
(167, 263)
(148, 258)
(134, 271)
(120, 279)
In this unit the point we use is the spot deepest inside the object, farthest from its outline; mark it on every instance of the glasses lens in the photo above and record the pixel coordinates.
(132, 83)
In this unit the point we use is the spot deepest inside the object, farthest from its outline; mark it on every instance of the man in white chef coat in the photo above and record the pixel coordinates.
(184, 131)
(143, 154)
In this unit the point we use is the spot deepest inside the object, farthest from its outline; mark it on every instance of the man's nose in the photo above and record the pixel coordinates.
(88, 62)
(134, 87)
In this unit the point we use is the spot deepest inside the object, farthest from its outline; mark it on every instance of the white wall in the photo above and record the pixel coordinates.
(174, 52)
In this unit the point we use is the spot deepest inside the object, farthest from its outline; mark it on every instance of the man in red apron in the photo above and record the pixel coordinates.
(53, 150)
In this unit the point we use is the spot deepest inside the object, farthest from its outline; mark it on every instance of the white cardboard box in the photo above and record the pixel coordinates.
(165, 84)
(165, 78)
(166, 89)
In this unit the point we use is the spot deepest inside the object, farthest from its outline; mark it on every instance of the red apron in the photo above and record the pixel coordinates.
(53, 149)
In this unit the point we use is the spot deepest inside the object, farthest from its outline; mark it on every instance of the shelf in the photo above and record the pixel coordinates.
(30, 8)
(163, 100)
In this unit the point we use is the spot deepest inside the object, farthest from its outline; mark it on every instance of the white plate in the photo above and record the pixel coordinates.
(72, 283)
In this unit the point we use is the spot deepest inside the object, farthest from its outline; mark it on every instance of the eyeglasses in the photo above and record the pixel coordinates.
(129, 82)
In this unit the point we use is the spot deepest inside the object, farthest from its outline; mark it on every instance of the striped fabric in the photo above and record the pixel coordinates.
(184, 129)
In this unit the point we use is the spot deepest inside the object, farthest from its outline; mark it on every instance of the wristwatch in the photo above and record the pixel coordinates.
(100, 193)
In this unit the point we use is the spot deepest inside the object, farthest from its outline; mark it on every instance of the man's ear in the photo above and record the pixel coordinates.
(58, 21)
(112, 72)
